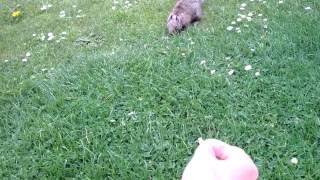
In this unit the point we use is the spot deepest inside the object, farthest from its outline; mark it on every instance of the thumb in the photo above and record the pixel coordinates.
(213, 149)
(205, 160)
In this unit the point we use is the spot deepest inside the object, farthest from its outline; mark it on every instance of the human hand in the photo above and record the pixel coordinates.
(216, 160)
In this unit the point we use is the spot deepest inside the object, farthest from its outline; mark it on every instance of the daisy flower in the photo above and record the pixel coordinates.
(44, 7)
(248, 67)
(294, 160)
(243, 5)
(231, 72)
(132, 113)
(229, 28)
(203, 62)
(62, 14)
(307, 8)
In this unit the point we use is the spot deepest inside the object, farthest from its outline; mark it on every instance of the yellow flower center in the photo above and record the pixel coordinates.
(15, 13)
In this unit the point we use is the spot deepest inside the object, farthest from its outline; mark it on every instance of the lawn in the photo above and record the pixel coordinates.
(98, 90)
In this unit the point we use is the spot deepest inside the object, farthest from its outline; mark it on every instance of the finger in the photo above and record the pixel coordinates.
(215, 148)
(246, 168)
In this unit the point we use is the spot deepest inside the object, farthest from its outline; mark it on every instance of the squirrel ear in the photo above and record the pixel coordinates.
(178, 19)
(171, 16)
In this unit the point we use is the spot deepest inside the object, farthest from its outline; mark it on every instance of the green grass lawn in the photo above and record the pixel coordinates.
(115, 97)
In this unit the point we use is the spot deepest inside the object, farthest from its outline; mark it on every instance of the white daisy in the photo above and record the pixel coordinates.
(229, 28)
(203, 62)
(243, 5)
(44, 7)
(280, 2)
(257, 73)
(62, 14)
(212, 71)
(50, 38)
(231, 72)
(307, 8)
(294, 160)
(28, 54)
(248, 67)
(132, 113)
(80, 16)
(24, 60)
(43, 37)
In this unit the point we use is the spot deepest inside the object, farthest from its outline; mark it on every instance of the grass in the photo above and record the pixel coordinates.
(119, 99)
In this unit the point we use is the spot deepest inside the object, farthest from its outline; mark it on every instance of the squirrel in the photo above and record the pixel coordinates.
(184, 13)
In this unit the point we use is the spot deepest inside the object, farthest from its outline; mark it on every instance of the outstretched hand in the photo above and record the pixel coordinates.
(216, 160)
